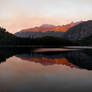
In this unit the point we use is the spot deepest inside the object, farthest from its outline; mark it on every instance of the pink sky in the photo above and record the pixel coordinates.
(19, 14)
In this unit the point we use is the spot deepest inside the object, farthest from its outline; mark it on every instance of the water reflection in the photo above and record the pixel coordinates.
(7, 52)
(77, 59)
(26, 71)
(46, 59)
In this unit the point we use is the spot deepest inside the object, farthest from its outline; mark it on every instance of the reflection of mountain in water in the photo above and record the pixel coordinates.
(77, 59)
(81, 59)
(46, 59)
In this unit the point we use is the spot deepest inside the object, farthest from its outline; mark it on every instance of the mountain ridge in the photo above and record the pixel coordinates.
(80, 31)
(45, 30)
(49, 27)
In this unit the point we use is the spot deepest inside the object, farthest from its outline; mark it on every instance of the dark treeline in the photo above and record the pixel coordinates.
(7, 39)
(44, 41)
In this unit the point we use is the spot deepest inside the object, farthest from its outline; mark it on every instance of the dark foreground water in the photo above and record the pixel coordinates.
(66, 71)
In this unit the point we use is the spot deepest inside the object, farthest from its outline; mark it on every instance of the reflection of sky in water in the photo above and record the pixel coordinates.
(20, 75)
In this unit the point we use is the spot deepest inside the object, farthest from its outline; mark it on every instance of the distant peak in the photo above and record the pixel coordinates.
(47, 26)
(50, 27)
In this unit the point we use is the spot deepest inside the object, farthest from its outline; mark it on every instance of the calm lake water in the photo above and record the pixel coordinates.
(46, 72)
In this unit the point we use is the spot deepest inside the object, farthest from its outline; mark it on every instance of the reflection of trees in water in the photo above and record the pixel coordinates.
(81, 59)
(6, 52)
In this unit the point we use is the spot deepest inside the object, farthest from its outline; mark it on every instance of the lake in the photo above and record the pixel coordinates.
(46, 71)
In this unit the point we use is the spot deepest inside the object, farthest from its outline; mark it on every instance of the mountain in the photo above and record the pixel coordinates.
(45, 30)
(7, 39)
(47, 27)
(80, 31)
(86, 41)
(39, 34)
